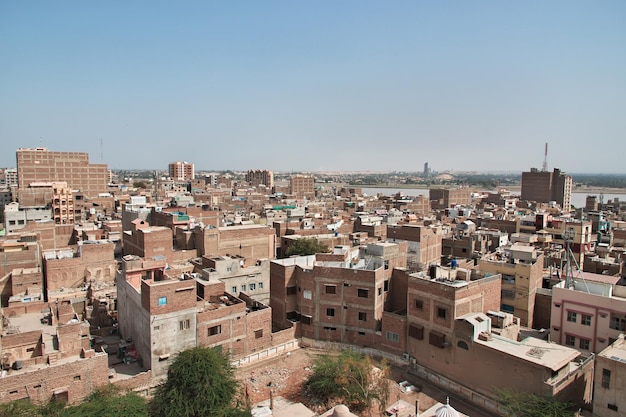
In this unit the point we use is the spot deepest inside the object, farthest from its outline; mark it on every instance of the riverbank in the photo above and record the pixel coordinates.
(513, 188)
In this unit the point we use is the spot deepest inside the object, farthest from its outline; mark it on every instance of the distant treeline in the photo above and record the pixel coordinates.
(600, 180)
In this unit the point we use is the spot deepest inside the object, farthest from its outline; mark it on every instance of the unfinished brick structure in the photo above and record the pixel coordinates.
(165, 315)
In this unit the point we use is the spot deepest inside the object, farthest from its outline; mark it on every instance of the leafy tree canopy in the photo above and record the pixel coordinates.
(306, 246)
(200, 382)
(105, 402)
(350, 378)
(524, 404)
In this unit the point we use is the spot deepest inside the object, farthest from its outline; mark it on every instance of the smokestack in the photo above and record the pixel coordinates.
(545, 159)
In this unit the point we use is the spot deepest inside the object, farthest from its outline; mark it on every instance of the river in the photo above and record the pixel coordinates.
(578, 199)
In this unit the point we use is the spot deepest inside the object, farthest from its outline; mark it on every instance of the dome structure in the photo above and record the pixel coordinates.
(341, 411)
(446, 410)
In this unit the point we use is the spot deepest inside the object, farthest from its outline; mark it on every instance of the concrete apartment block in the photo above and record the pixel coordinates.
(609, 381)
(522, 272)
(181, 171)
(588, 312)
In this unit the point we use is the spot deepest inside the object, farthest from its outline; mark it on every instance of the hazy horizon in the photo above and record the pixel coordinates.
(318, 86)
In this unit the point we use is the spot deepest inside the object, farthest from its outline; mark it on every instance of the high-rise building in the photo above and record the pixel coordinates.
(545, 186)
(302, 186)
(258, 177)
(181, 171)
(37, 165)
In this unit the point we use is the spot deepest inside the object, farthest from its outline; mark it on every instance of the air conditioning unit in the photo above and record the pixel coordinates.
(405, 357)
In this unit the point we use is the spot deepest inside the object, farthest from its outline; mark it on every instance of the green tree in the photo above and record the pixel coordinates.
(109, 402)
(200, 382)
(306, 246)
(351, 378)
(524, 404)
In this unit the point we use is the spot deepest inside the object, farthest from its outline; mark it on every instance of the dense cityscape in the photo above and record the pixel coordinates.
(108, 276)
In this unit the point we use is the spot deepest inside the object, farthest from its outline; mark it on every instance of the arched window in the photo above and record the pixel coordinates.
(463, 345)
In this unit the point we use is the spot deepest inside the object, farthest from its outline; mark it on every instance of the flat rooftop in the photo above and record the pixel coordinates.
(616, 352)
(546, 354)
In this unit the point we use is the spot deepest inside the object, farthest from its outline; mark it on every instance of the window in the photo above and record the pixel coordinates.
(162, 301)
(441, 312)
(252, 287)
(260, 285)
(585, 320)
(571, 316)
(307, 294)
(184, 324)
(380, 291)
(386, 264)
(462, 344)
(416, 331)
(419, 304)
(606, 378)
(243, 287)
(215, 330)
(437, 339)
(258, 334)
(330, 312)
(618, 323)
(584, 344)
(292, 290)
(570, 340)
(612, 406)
(363, 293)
(362, 316)
(156, 327)
(306, 319)
(234, 289)
(508, 278)
(331, 289)
(77, 378)
(386, 285)
(393, 337)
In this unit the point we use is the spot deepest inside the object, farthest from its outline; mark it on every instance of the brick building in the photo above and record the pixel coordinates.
(521, 268)
(90, 263)
(46, 354)
(424, 243)
(41, 165)
(349, 296)
(302, 186)
(256, 177)
(181, 171)
(165, 315)
(441, 198)
(545, 186)
(455, 330)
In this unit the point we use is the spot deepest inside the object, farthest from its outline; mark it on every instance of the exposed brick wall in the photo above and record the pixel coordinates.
(179, 295)
(79, 378)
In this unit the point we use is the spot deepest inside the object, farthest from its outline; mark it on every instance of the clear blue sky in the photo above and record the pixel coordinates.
(318, 85)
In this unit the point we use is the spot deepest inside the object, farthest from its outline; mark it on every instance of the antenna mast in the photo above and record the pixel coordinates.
(545, 159)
